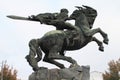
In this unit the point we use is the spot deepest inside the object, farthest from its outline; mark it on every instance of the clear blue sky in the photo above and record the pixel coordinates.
(15, 35)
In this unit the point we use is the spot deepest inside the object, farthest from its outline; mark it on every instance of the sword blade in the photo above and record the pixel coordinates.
(18, 17)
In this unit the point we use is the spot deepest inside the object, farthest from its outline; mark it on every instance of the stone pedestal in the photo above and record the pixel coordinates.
(73, 73)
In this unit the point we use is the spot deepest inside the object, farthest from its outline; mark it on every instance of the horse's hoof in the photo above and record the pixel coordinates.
(101, 49)
(62, 67)
(105, 41)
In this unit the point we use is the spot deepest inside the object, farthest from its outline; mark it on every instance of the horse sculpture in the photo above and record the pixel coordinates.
(55, 42)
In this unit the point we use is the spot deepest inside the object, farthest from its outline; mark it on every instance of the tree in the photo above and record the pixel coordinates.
(113, 72)
(7, 73)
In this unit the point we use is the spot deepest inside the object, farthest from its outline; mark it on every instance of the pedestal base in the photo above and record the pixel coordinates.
(73, 73)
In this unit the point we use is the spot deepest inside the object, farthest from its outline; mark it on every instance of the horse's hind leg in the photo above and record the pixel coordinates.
(46, 59)
(53, 54)
(61, 57)
(100, 44)
(69, 59)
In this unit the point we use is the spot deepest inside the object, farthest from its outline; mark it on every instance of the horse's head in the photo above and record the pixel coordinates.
(89, 12)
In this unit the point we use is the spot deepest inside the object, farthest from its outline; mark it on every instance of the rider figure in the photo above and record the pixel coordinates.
(61, 24)
(59, 21)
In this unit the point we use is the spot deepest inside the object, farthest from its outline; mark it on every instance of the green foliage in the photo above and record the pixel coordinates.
(113, 71)
(8, 73)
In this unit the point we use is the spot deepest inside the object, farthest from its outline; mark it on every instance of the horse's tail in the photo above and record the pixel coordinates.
(35, 48)
(35, 53)
(39, 51)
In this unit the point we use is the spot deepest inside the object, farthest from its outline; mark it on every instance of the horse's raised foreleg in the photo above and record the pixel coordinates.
(98, 30)
(100, 44)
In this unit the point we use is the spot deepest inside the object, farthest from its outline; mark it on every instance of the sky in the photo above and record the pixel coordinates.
(15, 34)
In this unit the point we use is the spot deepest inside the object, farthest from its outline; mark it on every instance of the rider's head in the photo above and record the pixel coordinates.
(64, 10)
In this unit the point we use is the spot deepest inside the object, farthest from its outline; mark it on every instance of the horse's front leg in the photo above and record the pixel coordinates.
(98, 30)
(100, 44)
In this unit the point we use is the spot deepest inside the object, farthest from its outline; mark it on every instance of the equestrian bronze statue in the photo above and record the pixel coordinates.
(66, 37)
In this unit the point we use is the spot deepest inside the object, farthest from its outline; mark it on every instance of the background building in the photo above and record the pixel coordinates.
(95, 75)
